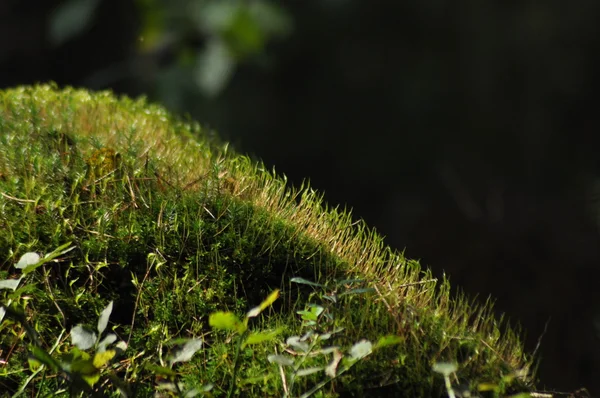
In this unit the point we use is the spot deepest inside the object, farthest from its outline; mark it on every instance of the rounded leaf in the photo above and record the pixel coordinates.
(214, 67)
(224, 321)
(361, 349)
(187, 351)
(103, 320)
(109, 339)
(10, 284)
(280, 360)
(82, 338)
(445, 368)
(297, 343)
(102, 358)
(27, 259)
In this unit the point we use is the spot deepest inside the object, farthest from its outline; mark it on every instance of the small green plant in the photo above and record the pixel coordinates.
(14, 300)
(89, 367)
(230, 322)
(81, 369)
(302, 352)
(172, 386)
(28, 263)
(446, 369)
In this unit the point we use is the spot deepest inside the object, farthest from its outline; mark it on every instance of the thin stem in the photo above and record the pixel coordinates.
(236, 363)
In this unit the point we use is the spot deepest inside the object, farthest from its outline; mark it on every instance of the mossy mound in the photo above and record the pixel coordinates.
(172, 225)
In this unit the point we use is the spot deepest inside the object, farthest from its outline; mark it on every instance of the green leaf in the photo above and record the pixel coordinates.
(109, 339)
(82, 338)
(91, 379)
(29, 265)
(303, 281)
(316, 309)
(270, 300)
(191, 393)
(266, 303)
(34, 364)
(43, 357)
(76, 353)
(84, 367)
(59, 251)
(297, 342)
(103, 319)
(312, 314)
(224, 321)
(332, 298)
(214, 67)
(10, 284)
(27, 260)
(307, 315)
(187, 351)
(102, 358)
(260, 337)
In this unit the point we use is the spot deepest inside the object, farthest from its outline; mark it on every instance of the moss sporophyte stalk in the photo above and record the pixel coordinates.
(143, 244)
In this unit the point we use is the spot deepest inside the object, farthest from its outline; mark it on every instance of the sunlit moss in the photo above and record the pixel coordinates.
(172, 225)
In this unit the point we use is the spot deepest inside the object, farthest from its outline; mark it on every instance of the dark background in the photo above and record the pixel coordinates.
(465, 131)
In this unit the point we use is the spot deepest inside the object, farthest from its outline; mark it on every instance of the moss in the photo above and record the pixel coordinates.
(173, 225)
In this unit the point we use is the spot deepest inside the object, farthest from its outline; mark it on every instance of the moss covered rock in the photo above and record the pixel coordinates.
(171, 225)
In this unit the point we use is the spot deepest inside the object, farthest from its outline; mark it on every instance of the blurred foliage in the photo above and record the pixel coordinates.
(204, 40)
(71, 19)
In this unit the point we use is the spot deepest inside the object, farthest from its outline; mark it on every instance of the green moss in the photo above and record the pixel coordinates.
(172, 225)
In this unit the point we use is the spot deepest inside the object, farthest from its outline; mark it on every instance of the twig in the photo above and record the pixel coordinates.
(283, 379)
(17, 199)
(419, 282)
(539, 342)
